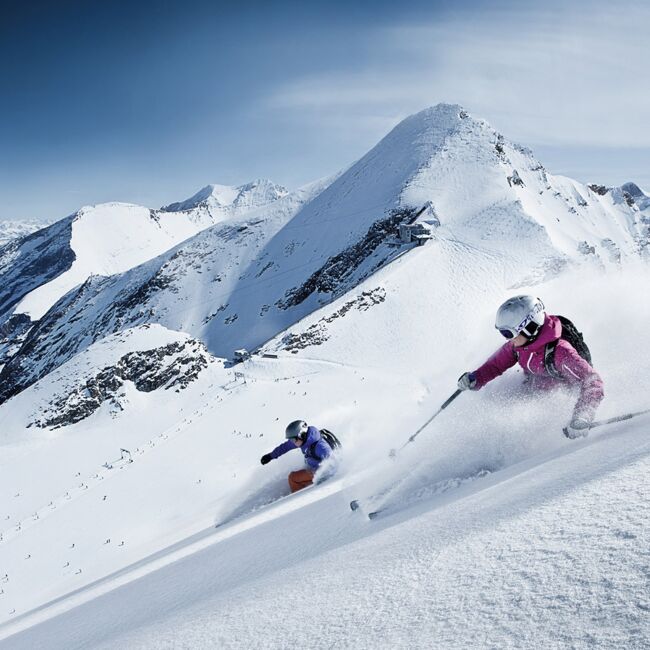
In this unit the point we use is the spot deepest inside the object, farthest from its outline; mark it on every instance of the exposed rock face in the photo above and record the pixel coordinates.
(31, 261)
(175, 365)
(332, 276)
(26, 263)
(12, 334)
(599, 189)
(613, 250)
(586, 249)
(317, 333)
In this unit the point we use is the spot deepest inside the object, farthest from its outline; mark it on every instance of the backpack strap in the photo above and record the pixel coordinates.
(312, 448)
(549, 356)
(329, 439)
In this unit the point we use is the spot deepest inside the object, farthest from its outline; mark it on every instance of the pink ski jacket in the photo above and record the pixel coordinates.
(571, 366)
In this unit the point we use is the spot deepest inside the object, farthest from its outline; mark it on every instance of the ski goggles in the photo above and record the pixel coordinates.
(527, 327)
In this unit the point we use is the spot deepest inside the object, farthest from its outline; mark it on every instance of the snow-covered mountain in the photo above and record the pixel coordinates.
(634, 194)
(17, 228)
(631, 193)
(363, 298)
(101, 240)
(240, 282)
(113, 237)
(636, 199)
(226, 199)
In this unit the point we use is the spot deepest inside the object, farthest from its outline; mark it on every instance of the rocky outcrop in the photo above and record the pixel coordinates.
(12, 334)
(599, 189)
(175, 365)
(318, 332)
(331, 278)
(31, 261)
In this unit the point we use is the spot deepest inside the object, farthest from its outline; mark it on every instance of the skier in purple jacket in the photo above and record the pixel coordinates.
(314, 448)
(529, 330)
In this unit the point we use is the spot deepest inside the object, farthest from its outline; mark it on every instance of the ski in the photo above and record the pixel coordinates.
(356, 505)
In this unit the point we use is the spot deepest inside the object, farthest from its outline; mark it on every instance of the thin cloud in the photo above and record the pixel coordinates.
(555, 76)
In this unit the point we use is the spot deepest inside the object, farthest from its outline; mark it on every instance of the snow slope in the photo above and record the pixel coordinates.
(106, 239)
(208, 455)
(523, 561)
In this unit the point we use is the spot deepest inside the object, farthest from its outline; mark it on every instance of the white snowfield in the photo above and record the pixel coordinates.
(152, 524)
(498, 532)
(549, 554)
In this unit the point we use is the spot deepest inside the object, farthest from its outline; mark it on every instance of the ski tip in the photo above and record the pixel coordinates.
(354, 505)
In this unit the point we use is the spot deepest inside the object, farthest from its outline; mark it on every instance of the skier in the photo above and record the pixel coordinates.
(535, 340)
(314, 448)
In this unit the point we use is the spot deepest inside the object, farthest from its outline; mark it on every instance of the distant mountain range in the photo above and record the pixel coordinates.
(16, 228)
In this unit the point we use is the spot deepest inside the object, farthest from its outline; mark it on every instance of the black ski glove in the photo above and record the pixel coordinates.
(267, 458)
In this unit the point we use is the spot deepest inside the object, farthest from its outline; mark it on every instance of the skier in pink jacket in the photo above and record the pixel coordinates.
(535, 341)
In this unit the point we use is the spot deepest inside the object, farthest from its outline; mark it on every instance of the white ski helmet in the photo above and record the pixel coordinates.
(520, 315)
(297, 429)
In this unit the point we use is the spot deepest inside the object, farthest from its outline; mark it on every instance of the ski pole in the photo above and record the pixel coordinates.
(448, 401)
(618, 418)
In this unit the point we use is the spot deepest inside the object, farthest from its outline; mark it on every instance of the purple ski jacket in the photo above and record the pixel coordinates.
(573, 368)
(314, 449)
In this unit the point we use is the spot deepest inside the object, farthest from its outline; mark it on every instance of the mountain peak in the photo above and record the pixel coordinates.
(442, 112)
(431, 125)
(254, 194)
(632, 192)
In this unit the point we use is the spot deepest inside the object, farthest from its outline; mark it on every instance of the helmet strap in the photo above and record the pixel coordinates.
(531, 331)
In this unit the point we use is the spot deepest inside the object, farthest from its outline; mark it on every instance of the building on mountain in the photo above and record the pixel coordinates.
(418, 233)
(241, 355)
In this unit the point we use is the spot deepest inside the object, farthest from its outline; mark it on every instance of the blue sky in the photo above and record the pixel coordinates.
(148, 101)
